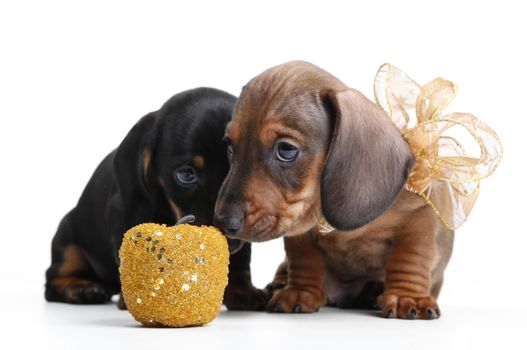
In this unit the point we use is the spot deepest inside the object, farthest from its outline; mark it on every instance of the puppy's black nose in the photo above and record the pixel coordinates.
(230, 225)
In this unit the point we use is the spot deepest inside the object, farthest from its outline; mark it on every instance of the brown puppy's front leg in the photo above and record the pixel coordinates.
(280, 277)
(408, 284)
(240, 293)
(306, 273)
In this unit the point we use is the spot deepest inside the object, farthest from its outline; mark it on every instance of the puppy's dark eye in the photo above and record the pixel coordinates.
(185, 175)
(230, 148)
(230, 151)
(286, 152)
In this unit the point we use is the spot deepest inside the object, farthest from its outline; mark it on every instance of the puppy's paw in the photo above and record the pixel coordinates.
(274, 286)
(296, 300)
(89, 293)
(77, 291)
(247, 298)
(395, 304)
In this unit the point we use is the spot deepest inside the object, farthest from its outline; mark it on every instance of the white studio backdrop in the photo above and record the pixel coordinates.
(76, 76)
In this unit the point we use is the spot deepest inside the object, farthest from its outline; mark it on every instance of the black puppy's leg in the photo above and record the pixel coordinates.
(70, 279)
(365, 298)
(121, 304)
(240, 293)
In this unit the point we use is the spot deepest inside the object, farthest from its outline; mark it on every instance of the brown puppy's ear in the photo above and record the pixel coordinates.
(367, 164)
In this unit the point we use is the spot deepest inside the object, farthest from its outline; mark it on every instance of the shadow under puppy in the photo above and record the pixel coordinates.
(304, 146)
(171, 163)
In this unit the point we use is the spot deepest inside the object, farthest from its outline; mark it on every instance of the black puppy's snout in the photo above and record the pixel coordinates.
(230, 225)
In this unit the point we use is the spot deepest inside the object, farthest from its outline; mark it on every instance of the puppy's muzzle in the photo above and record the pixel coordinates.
(230, 225)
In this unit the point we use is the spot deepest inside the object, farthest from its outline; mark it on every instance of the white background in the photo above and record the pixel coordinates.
(75, 77)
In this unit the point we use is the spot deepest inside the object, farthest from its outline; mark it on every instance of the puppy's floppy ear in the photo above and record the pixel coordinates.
(132, 160)
(367, 164)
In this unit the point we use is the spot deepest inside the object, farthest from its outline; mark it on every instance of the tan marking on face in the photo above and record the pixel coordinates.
(233, 130)
(303, 207)
(175, 209)
(178, 213)
(198, 161)
(73, 261)
(147, 158)
(262, 198)
(273, 128)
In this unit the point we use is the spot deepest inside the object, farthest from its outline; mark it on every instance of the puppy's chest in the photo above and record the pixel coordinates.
(351, 255)
(362, 252)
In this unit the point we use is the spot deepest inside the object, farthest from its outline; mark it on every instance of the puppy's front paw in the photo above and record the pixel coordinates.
(76, 291)
(395, 304)
(296, 300)
(247, 298)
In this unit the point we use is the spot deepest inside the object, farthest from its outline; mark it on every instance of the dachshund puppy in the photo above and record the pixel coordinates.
(304, 146)
(170, 164)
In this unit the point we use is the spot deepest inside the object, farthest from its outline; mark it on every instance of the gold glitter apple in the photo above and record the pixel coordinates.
(173, 276)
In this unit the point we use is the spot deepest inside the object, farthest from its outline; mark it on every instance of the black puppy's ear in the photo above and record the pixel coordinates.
(367, 164)
(132, 160)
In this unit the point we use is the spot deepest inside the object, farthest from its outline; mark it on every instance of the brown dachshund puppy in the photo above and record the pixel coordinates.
(304, 146)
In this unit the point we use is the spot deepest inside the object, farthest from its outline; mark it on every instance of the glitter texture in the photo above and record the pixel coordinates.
(157, 286)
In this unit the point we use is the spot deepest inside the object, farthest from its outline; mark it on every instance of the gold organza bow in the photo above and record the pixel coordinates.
(445, 174)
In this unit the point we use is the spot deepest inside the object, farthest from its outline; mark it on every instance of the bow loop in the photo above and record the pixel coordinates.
(396, 93)
(447, 173)
(434, 98)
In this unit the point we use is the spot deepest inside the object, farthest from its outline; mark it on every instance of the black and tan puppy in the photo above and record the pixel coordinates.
(303, 146)
(170, 164)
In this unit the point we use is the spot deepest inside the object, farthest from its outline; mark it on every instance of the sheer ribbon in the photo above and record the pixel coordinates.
(447, 174)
